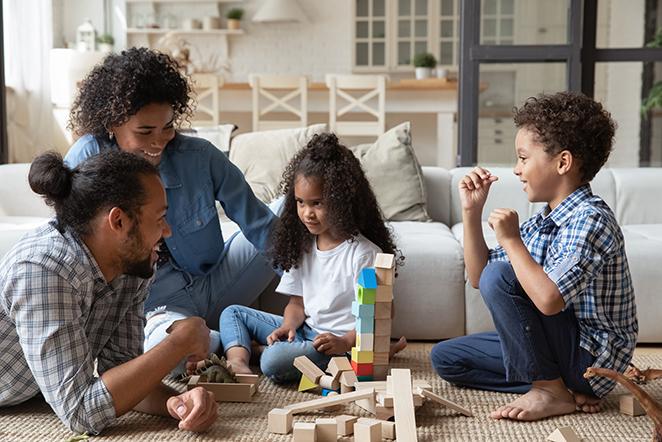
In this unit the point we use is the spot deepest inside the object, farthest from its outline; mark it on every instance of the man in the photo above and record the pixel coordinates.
(72, 293)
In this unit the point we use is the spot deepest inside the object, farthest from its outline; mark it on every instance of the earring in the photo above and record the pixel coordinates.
(111, 134)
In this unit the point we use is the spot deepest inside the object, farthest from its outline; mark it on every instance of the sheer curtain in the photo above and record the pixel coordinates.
(28, 35)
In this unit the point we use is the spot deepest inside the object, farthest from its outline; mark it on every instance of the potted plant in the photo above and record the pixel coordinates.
(234, 16)
(424, 63)
(105, 43)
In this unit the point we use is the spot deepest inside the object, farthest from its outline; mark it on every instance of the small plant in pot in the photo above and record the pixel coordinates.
(105, 43)
(425, 64)
(234, 17)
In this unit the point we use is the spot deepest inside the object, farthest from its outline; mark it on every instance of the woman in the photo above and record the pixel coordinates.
(134, 101)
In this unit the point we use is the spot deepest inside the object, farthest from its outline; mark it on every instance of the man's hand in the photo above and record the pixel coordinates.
(193, 334)
(474, 188)
(196, 409)
(282, 332)
(505, 223)
(330, 344)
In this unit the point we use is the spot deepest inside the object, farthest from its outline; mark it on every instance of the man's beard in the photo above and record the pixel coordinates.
(135, 264)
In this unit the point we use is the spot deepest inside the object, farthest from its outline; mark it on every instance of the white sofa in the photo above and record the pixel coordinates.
(432, 299)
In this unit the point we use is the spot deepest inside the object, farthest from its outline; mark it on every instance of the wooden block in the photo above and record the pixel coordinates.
(348, 378)
(345, 424)
(388, 430)
(380, 358)
(326, 430)
(308, 368)
(382, 343)
(362, 369)
(368, 404)
(365, 295)
(304, 432)
(564, 434)
(384, 413)
(403, 405)
(379, 372)
(329, 382)
(378, 386)
(337, 365)
(367, 430)
(366, 311)
(334, 407)
(422, 384)
(306, 384)
(345, 388)
(362, 357)
(384, 293)
(365, 325)
(368, 278)
(365, 341)
(445, 402)
(384, 276)
(385, 400)
(280, 420)
(631, 406)
(382, 309)
(382, 327)
(330, 401)
(240, 392)
(384, 261)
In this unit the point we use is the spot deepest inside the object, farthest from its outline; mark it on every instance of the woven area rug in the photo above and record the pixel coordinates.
(34, 421)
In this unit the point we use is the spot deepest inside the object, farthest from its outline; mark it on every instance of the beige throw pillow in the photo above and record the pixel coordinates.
(263, 156)
(395, 174)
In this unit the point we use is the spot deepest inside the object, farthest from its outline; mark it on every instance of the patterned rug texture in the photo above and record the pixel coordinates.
(34, 420)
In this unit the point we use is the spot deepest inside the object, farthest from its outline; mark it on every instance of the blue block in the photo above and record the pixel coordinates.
(365, 325)
(368, 278)
(363, 310)
(326, 392)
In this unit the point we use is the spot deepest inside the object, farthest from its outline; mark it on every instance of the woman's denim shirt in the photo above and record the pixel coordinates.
(195, 175)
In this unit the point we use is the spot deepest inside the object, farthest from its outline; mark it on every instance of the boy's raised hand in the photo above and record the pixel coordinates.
(474, 188)
(282, 332)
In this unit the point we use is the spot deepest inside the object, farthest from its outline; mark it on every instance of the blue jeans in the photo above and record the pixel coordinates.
(527, 346)
(238, 278)
(240, 325)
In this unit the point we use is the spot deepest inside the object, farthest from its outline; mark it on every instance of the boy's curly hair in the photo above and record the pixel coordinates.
(123, 84)
(351, 204)
(570, 121)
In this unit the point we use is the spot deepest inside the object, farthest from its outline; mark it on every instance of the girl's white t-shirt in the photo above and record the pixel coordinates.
(327, 281)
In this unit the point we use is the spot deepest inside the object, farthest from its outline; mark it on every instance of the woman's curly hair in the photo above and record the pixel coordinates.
(350, 202)
(570, 121)
(122, 84)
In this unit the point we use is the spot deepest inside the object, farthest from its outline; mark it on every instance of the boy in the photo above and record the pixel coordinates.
(558, 287)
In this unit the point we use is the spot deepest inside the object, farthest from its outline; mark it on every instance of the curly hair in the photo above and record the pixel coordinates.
(570, 121)
(351, 204)
(122, 84)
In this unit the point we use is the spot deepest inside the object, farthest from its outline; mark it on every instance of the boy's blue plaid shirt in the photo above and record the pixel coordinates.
(581, 248)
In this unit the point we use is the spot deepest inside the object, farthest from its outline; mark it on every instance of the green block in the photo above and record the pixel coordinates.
(366, 296)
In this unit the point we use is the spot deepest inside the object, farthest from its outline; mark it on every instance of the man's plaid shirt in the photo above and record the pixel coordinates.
(581, 248)
(57, 315)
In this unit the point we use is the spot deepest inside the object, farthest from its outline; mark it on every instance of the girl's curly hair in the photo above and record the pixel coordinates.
(570, 121)
(351, 204)
(123, 84)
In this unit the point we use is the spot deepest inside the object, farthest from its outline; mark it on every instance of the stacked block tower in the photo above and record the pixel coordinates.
(372, 308)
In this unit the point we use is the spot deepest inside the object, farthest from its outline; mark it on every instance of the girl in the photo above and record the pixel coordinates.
(331, 228)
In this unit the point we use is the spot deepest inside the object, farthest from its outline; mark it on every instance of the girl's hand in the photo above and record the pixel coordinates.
(330, 344)
(474, 188)
(282, 332)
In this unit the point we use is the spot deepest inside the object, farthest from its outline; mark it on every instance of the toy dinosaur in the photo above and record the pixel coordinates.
(215, 370)
(642, 376)
(652, 408)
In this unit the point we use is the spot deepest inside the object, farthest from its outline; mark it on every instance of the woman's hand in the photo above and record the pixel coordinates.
(330, 344)
(282, 332)
(474, 188)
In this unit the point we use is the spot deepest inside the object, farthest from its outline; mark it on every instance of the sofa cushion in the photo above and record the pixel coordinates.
(12, 228)
(262, 156)
(395, 174)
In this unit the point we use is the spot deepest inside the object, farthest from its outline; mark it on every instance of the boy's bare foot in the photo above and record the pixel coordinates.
(397, 347)
(238, 366)
(586, 403)
(545, 399)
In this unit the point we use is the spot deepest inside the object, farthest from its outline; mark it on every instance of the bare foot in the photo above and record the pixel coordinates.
(586, 403)
(397, 347)
(538, 403)
(238, 366)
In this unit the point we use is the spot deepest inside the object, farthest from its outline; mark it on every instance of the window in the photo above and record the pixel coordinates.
(498, 20)
(370, 34)
(449, 24)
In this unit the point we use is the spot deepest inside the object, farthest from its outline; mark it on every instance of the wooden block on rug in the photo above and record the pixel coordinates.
(631, 406)
(308, 368)
(388, 430)
(304, 432)
(403, 405)
(280, 420)
(345, 424)
(367, 430)
(337, 366)
(330, 401)
(326, 430)
(564, 434)
(329, 382)
(242, 391)
(445, 402)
